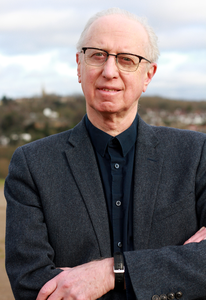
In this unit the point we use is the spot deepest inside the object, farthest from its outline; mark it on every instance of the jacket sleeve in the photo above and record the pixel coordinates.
(169, 270)
(29, 255)
(174, 269)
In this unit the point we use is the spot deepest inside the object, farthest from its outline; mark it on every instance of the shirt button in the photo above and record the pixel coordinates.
(118, 203)
(116, 166)
(119, 245)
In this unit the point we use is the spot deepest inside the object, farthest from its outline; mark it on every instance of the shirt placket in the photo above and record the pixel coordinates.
(117, 162)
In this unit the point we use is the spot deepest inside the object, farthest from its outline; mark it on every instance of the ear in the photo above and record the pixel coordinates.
(78, 61)
(149, 74)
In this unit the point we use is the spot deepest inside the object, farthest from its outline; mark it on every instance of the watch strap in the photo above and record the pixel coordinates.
(119, 271)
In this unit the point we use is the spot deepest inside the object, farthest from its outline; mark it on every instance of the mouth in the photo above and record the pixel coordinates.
(108, 90)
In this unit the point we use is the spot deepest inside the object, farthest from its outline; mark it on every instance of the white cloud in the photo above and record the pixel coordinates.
(180, 75)
(183, 39)
(27, 62)
(27, 20)
(31, 27)
(38, 38)
(178, 11)
(28, 74)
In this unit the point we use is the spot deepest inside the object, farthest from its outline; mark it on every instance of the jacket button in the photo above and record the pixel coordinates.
(155, 297)
(163, 297)
(178, 295)
(171, 296)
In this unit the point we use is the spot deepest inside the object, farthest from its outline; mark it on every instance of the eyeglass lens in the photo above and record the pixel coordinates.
(125, 62)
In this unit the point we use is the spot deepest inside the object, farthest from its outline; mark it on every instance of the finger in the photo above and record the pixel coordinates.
(47, 290)
(199, 236)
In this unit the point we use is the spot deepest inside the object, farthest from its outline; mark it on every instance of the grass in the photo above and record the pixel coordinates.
(1, 182)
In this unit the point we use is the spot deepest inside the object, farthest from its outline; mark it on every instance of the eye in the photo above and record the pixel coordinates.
(127, 60)
(99, 54)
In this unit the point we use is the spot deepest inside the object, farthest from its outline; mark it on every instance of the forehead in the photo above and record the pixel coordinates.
(117, 33)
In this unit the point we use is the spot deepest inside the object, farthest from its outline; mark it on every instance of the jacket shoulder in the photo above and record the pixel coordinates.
(56, 140)
(52, 145)
(179, 135)
(169, 137)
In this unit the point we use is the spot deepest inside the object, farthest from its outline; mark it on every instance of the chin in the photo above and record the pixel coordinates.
(109, 108)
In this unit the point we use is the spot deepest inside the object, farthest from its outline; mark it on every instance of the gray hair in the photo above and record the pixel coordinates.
(152, 49)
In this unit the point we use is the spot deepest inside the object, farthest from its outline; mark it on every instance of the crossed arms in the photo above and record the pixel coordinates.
(91, 280)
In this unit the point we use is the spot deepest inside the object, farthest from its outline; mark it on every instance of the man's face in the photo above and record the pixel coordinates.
(107, 89)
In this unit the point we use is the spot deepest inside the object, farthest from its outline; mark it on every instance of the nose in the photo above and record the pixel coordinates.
(110, 69)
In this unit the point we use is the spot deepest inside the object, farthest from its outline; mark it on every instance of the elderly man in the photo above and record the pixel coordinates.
(113, 208)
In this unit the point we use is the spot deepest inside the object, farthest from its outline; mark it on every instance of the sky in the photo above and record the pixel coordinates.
(38, 45)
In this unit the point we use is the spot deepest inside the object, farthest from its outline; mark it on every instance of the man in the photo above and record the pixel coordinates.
(114, 208)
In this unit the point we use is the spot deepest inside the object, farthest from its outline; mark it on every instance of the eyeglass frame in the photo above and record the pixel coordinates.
(115, 55)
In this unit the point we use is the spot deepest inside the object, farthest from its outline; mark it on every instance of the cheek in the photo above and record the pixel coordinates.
(89, 77)
(136, 84)
(88, 83)
(132, 87)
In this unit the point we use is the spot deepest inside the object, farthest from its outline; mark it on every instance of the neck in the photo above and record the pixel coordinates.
(112, 124)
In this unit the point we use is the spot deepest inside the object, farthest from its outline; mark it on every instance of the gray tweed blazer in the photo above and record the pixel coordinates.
(57, 214)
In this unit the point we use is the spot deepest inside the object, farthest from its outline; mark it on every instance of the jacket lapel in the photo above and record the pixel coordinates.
(147, 172)
(82, 161)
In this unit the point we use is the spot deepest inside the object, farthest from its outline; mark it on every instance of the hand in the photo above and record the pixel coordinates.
(88, 281)
(199, 236)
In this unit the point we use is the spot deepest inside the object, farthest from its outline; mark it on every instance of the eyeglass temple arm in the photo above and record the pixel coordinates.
(140, 59)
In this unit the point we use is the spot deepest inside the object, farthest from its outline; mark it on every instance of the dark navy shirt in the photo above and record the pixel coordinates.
(115, 157)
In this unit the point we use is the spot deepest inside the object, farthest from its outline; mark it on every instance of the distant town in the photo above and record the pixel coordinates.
(27, 119)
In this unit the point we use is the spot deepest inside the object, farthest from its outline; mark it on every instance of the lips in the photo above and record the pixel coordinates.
(108, 89)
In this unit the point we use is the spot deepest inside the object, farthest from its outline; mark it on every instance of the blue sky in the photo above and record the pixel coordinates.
(38, 45)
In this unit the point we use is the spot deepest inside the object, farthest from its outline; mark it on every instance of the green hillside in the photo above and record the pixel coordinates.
(27, 119)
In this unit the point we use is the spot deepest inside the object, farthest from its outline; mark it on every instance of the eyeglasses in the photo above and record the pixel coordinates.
(125, 61)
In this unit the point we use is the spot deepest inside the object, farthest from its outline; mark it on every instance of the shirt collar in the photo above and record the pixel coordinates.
(100, 139)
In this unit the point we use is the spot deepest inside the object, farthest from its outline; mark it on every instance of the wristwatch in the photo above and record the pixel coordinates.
(119, 271)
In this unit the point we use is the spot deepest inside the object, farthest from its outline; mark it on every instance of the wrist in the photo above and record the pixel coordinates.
(108, 265)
